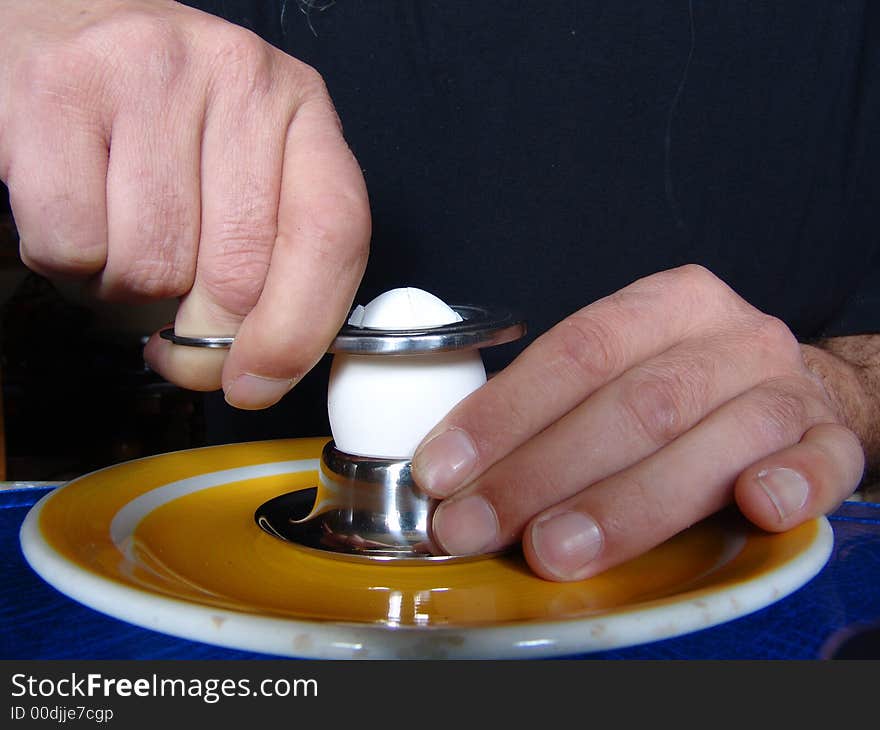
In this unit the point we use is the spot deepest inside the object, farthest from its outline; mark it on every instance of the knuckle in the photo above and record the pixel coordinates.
(776, 340)
(59, 233)
(321, 106)
(336, 230)
(165, 219)
(164, 238)
(838, 443)
(60, 258)
(310, 80)
(699, 287)
(243, 62)
(777, 417)
(307, 81)
(152, 278)
(584, 347)
(247, 221)
(852, 453)
(154, 45)
(661, 405)
(234, 277)
(145, 45)
(697, 275)
(248, 234)
(58, 74)
(697, 278)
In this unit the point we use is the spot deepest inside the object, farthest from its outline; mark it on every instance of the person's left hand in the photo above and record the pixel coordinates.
(631, 420)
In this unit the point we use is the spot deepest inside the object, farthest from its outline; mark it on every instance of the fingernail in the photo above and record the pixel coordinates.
(250, 392)
(566, 543)
(786, 488)
(443, 464)
(465, 526)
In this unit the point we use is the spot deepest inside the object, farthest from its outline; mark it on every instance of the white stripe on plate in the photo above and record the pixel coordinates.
(125, 521)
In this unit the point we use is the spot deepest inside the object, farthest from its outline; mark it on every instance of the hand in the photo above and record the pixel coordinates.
(632, 419)
(161, 152)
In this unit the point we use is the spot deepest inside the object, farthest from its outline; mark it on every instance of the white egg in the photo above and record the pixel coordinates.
(404, 308)
(383, 406)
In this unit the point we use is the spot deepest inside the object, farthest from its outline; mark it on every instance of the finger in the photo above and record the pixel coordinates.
(152, 199)
(317, 262)
(803, 481)
(622, 423)
(565, 365)
(637, 509)
(57, 179)
(242, 147)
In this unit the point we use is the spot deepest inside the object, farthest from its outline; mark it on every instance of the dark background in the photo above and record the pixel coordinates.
(76, 396)
(538, 157)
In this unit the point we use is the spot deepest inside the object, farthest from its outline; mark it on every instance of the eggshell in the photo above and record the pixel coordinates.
(384, 406)
(404, 308)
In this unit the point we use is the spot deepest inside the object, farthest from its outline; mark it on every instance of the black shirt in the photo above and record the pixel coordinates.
(542, 155)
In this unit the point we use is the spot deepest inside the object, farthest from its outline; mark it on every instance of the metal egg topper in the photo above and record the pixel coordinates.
(480, 327)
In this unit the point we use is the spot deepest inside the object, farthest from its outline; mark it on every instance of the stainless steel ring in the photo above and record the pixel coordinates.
(217, 343)
(480, 327)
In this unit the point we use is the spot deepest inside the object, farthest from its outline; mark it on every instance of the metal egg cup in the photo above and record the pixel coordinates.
(367, 508)
(362, 508)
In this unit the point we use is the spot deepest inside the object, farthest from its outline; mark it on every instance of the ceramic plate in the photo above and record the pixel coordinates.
(169, 543)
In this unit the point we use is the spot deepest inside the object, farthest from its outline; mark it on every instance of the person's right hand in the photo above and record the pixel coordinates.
(162, 152)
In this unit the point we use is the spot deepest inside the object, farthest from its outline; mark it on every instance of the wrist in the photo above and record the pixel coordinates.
(850, 382)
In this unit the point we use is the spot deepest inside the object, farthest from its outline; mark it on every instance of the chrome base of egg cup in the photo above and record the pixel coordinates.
(365, 509)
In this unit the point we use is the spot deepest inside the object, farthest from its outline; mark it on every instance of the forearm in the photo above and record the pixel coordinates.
(849, 368)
